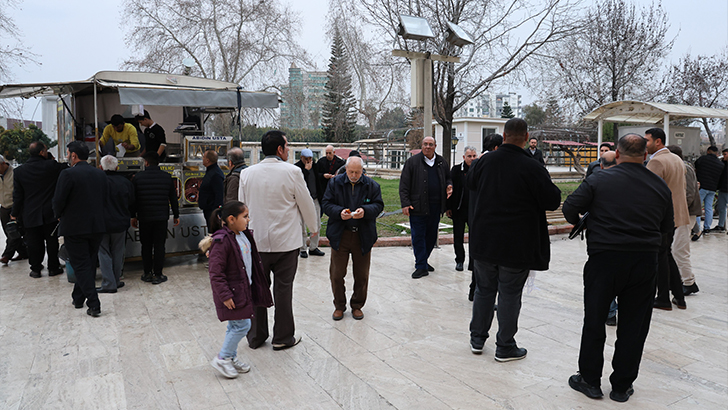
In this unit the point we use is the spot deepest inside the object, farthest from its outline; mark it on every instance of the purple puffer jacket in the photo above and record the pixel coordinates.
(229, 279)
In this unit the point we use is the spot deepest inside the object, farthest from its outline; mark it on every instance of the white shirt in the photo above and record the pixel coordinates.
(657, 152)
(246, 250)
(430, 162)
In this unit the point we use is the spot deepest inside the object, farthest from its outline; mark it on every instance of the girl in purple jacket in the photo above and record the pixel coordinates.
(237, 281)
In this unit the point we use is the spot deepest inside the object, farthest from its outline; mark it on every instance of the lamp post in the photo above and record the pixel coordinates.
(417, 28)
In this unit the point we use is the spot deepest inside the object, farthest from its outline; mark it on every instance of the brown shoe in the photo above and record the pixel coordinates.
(4, 260)
(338, 314)
(357, 314)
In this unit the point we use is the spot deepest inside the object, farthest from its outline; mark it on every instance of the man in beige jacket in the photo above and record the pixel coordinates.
(277, 198)
(671, 169)
(13, 243)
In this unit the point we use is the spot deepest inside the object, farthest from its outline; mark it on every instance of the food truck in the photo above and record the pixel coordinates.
(178, 103)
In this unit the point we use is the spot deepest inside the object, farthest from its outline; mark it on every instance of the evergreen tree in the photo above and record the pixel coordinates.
(338, 116)
(507, 112)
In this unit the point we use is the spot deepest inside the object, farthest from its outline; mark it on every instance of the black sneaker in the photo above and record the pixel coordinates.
(304, 254)
(147, 277)
(577, 383)
(621, 396)
(94, 312)
(156, 279)
(476, 350)
(316, 252)
(718, 229)
(34, 274)
(419, 273)
(55, 272)
(515, 353)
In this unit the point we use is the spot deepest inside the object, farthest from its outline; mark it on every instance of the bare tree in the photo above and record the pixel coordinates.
(617, 55)
(701, 81)
(247, 42)
(506, 34)
(378, 78)
(13, 53)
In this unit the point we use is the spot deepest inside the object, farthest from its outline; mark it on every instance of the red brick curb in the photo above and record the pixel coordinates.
(444, 239)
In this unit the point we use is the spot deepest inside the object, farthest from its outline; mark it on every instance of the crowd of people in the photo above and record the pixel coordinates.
(258, 234)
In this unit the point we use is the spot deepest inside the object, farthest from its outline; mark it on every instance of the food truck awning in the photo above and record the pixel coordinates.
(152, 89)
(196, 98)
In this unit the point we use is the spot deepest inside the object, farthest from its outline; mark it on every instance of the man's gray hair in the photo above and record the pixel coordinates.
(2, 159)
(236, 156)
(109, 163)
(352, 160)
(470, 148)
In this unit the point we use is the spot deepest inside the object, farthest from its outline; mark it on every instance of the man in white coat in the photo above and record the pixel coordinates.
(277, 198)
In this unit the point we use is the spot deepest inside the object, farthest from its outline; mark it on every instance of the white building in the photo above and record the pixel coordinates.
(470, 132)
(490, 105)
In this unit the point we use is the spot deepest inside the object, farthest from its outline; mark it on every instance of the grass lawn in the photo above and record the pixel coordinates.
(387, 225)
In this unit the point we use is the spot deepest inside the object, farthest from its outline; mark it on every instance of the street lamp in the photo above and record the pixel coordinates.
(454, 141)
(417, 28)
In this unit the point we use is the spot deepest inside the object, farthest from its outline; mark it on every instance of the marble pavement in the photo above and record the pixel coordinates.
(151, 346)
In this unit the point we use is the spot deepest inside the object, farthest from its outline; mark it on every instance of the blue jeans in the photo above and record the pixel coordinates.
(706, 197)
(612, 309)
(236, 331)
(424, 234)
(721, 207)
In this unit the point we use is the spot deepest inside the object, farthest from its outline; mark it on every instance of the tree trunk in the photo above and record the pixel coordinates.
(707, 131)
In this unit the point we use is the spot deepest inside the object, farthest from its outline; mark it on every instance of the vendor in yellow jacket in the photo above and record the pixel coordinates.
(122, 133)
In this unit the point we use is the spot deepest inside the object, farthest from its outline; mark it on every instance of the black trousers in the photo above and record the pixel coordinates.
(153, 235)
(11, 245)
(42, 239)
(630, 276)
(668, 274)
(83, 252)
(459, 220)
(283, 265)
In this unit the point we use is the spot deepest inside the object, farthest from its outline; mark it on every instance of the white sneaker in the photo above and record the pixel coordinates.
(240, 366)
(225, 367)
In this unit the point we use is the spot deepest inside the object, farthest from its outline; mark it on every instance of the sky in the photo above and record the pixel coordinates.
(77, 38)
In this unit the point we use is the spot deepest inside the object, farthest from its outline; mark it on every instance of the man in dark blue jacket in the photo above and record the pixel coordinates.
(79, 203)
(508, 235)
(630, 212)
(154, 192)
(352, 201)
(117, 212)
(211, 187)
(35, 184)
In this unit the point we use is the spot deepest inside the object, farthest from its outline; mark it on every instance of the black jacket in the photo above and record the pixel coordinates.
(458, 201)
(119, 202)
(723, 181)
(340, 195)
(34, 186)
(308, 174)
(413, 184)
(537, 155)
(512, 193)
(324, 166)
(211, 187)
(708, 169)
(154, 192)
(630, 208)
(80, 199)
